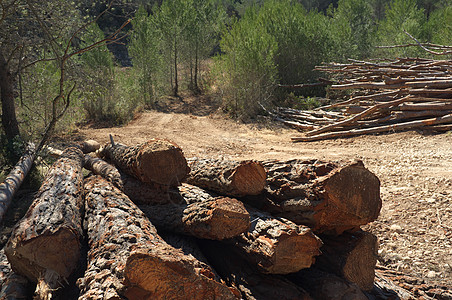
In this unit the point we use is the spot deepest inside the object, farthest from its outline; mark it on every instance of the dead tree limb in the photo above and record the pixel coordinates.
(45, 244)
(15, 178)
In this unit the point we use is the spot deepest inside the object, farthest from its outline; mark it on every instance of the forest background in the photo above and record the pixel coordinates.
(67, 62)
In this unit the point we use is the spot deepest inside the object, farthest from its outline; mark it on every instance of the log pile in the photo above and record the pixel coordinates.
(294, 236)
(387, 95)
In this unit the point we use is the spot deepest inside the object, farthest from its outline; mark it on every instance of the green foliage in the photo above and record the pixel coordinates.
(353, 29)
(440, 26)
(247, 71)
(402, 15)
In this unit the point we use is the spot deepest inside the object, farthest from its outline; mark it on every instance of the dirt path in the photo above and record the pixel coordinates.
(415, 226)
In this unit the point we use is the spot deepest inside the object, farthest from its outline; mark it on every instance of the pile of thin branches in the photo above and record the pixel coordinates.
(388, 95)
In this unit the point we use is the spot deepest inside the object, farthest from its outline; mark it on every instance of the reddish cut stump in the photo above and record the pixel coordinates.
(127, 258)
(45, 244)
(201, 216)
(229, 178)
(352, 256)
(327, 197)
(252, 284)
(277, 245)
(156, 161)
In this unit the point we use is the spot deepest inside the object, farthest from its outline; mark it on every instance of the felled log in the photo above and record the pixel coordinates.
(326, 286)
(385, 128)
(12, 285)
(139, 192)
(277, 245)
(15, 178)
(127, 258)
(328, 197)
(252, 284)
(226, 177)
(156, 161)
(201, 215)
(352, 256)
(45, 245)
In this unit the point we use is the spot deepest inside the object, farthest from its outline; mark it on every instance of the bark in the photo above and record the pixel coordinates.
(12, 285)
(385, 128)
(326, 286)
(230, 178)
(252, 284)
(15, 178)
(277, 245)
(9, 120)
(127, 258)
(45, 245)
(156, 161)
(352, 256)
(328, 197)
(207, 218)
(139, 192)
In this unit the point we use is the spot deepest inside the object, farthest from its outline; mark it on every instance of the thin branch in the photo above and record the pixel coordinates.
(426, 49)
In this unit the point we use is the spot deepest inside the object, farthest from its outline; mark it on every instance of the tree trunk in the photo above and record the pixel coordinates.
(328, 197)
(176, 81)
(45, 245)
(230, 178)
(156, 161)
(352, 256)
(9, 120)
(253, 285)
(15, 179)
(276, 245)
(12, 285)
(212, 218)
(133, 260)
(326, 286)
(139, 192)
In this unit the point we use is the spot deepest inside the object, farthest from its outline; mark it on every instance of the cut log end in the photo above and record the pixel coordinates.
(249, 178)
(353, 197)
(155, 277)
(228, 218)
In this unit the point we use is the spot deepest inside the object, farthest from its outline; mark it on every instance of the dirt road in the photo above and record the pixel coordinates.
(415, 169)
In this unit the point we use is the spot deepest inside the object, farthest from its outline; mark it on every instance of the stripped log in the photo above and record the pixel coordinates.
(133, 260)
(12, 285)
(137, 191)
(45, 244)
(15, 179)
(352, 256)
(156, 161)
(328, 197)
(326, 286)
(277, 245)
(202, 215)
(226, 177)
(252, 284)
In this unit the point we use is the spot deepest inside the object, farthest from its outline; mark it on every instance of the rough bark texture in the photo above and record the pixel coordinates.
(156, 161)
(15, 179)
(127, 258)
(328, 197)
(12, 285)
(230, 178)
(9, 120)
(352, 256)
(137, 191)
(277, 245)
(212, 218)
(45, 245)
(252, 284)
(326, 286)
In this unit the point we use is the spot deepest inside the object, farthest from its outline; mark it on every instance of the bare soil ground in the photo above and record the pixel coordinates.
(415, 169)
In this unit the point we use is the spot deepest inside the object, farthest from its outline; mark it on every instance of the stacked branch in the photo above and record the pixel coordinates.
(384, 96)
